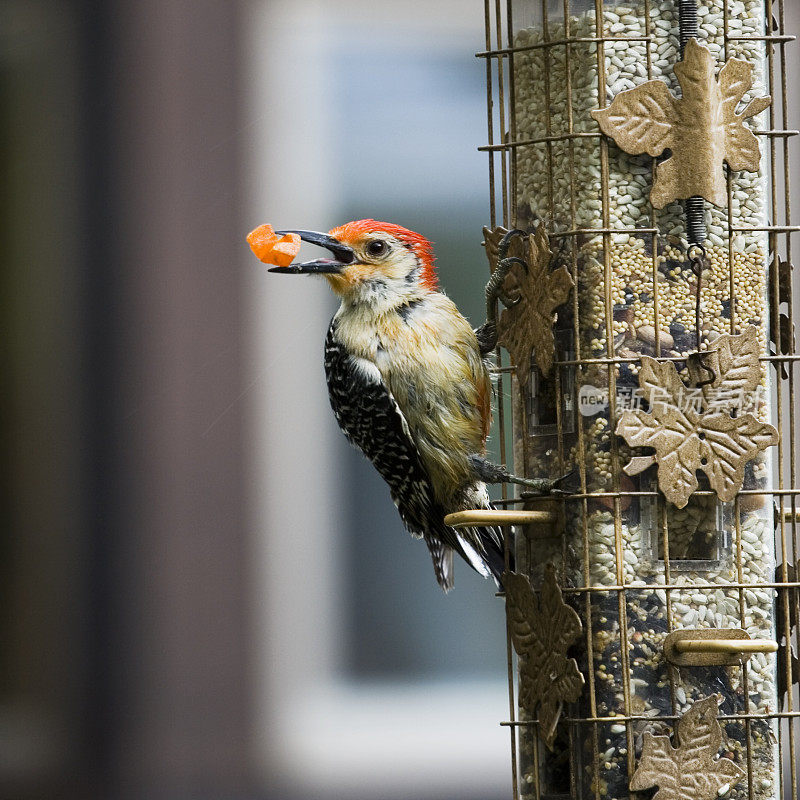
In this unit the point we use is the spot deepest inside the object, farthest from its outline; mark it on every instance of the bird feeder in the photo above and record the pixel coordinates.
(640, 241)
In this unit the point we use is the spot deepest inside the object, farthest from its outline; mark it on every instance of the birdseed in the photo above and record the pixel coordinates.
(636, 295)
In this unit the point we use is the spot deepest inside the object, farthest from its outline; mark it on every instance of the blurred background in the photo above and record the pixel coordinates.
(204, 592)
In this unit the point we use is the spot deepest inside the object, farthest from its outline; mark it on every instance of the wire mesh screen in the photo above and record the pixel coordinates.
(636, 565)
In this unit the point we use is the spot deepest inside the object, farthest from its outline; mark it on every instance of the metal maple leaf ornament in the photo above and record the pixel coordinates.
(531, 293)
(542, 629)
(690, 771)
(702, 128)
(692, 428)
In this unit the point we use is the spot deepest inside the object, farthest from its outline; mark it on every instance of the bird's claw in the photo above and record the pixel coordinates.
(504, 264)
(547, 487)
(508, 302)
(537, 487)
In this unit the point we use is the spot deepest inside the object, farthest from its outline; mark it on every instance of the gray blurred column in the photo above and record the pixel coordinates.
(179, 651)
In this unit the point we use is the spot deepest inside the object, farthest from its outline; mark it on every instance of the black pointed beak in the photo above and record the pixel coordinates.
(343, 255)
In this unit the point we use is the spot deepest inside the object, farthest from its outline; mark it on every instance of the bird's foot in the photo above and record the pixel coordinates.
(494, 288)
(548, 487)
(487, 337)
(537, 487)
(487, 471)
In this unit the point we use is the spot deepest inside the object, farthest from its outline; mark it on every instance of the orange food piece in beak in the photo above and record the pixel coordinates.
(271, 248)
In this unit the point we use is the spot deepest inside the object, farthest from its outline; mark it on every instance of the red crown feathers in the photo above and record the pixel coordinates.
(421, 246)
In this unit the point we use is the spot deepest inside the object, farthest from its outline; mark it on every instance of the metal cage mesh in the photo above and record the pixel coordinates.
(548, 63)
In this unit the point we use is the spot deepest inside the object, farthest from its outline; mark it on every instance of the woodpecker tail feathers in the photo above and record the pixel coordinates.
(479, 547)
(442, 556)
(485, 552)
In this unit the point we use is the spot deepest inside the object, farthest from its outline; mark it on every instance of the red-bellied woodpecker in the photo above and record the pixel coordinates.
(409, 386)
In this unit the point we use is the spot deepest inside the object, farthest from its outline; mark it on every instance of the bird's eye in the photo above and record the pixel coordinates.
(377, 247)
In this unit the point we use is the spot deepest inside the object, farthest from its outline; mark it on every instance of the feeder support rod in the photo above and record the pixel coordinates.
(693, 206)
(732, 646)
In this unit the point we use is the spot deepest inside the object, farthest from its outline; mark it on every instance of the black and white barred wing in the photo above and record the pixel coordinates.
(370, 418)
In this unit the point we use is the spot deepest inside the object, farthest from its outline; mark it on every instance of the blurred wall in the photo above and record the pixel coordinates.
(124, 613)
(42, 599)
(175, 427)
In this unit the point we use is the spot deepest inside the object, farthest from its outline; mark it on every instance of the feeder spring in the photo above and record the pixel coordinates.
(689, 26)
(693, 206)
(694, 209)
